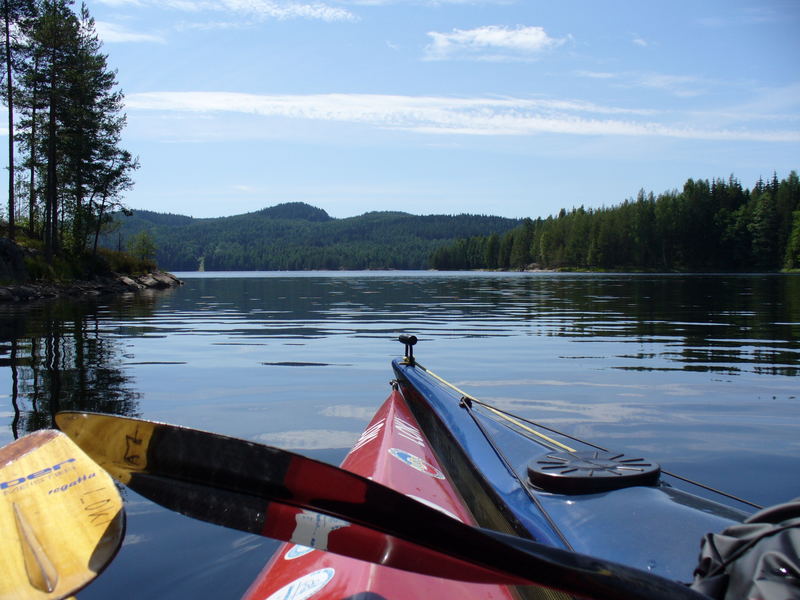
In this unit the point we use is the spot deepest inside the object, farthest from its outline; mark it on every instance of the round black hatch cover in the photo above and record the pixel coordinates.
(589, 472)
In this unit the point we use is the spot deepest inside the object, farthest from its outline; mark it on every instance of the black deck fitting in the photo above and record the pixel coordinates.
(408, 341)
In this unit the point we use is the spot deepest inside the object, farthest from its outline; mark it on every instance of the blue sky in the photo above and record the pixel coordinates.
(507, 107)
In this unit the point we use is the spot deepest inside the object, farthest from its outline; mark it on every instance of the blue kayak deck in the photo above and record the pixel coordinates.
(655, 528)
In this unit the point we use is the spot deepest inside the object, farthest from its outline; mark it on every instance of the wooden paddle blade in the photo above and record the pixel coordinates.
(61, 518)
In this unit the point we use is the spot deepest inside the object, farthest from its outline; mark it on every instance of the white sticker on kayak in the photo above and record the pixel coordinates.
(312, 529)
(297, 551)
(305, 587)
(408, 431)
(415, 462)
(369, 434)
(436, 506)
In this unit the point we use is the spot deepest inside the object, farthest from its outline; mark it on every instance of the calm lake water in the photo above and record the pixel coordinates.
(699, 373)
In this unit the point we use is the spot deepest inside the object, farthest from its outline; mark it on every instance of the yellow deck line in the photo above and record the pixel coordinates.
(526, 428)
(497, 412)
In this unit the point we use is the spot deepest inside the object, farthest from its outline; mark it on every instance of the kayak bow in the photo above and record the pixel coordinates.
(558, 490)
(392, 451)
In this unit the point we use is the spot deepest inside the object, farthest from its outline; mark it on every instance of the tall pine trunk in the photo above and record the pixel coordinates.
(32, 183)
(51, 192)
(33, 156)
(10, 90)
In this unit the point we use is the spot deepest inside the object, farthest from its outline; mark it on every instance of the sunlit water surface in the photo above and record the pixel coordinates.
(699, 373)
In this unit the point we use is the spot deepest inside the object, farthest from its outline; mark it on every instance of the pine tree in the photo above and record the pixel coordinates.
(30, 102)
(97, 167)
(54, 35)
(491, 251)
(792, 258)
(763, 231)
(15, 13)
(143, 247)
(71, 128)
(520, 254)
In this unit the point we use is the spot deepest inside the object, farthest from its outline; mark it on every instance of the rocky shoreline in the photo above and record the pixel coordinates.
(111, 284)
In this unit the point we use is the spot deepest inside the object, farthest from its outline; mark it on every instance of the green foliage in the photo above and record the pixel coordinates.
(714, 225)
(40, 269)
(294, 211)
(142, 247)
(792, 258)
(64, 267)
(85, 265)
(300, 237)
(124, 263)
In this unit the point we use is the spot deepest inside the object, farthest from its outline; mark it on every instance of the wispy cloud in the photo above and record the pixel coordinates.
(491, 42)
(114, 33)
(680, 86)
(753, 15)
(597, 74)
(254, 9)
(683, 86)
(423, 2)
(209, 25)
(453, 116)
(121, 3)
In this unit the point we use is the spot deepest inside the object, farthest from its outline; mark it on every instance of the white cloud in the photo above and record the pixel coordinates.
(423, 2)
(270, 9)
(118, 3)
(640, 42)
(491, 42)
(209, 25)
(113, 33)
(453, 116)
(596, 74)
(681, 86)
(258, 9)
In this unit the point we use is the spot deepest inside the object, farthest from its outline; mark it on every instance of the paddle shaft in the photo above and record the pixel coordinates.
(249, 486)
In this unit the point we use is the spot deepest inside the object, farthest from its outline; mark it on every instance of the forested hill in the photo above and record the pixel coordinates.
(717, 225)
(296, 236)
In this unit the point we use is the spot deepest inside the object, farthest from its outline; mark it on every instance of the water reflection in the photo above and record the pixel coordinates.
(73, 354)
(60, 357)
(701, 323)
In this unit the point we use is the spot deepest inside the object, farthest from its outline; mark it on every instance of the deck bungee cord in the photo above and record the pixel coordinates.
(522, 423)
(516, 418)
(467, 404)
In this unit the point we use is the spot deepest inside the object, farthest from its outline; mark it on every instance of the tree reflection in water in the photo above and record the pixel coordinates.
(62, 358)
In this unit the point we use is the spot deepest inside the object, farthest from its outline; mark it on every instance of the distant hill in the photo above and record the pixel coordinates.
(297, 236)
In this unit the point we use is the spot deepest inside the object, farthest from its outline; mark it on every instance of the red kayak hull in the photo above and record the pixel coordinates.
(392, 451)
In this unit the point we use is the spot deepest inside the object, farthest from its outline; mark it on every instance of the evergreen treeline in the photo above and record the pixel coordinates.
(715, 225)
(296, 236)
(67, 170)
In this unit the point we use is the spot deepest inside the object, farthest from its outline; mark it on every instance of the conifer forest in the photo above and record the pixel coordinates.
(708, 225)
